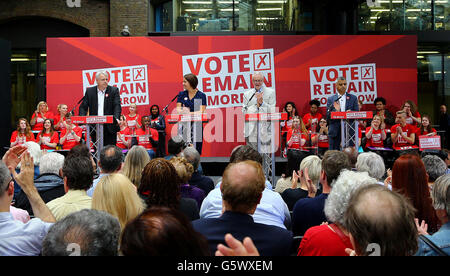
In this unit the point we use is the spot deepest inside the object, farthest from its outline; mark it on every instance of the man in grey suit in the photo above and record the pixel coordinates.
(102, 100)
(259, 99)
(341, 101)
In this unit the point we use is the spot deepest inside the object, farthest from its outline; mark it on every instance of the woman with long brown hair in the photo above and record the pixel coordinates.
(160, 186)
(48, 138)
(22, 134)
(410, 179)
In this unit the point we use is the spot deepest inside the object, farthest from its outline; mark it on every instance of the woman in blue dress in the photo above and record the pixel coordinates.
(192, 100)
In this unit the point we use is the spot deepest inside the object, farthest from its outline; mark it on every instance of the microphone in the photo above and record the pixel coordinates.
(250, 99)
(73, 109)
(167, 106)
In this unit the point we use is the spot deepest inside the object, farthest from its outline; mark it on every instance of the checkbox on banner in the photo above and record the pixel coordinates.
(367, 72)
(261, 61)
(139, 74)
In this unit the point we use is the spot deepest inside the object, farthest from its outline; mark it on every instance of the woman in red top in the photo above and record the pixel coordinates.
(321, 138)
(133, 119)
(22, 134)
(297, 135)
(147, 136)
(124, 135)
(60, 117)
(291, 110)
(48, 138)
(425, 127)
(412, 115)
(38, 117)
(312, 119)
(71, 135)
(375, 134)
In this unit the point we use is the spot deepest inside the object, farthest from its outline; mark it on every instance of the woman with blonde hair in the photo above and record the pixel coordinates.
(116, 195)
(40, 114)
(135, 161)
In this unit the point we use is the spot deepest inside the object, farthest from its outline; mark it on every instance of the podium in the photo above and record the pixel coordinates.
(268, 153)
(349, 126)
(94, 124)
(189, 125)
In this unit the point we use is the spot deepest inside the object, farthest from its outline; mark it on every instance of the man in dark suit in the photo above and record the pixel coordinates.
(102, 100)
(242, 187)
(340, 101)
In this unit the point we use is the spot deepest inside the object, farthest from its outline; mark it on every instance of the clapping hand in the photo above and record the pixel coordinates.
(295, 178)
(237, 248)
(422, 228)
(13, 156)
(312, 189)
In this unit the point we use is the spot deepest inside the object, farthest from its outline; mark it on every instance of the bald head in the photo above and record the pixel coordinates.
(242, 186)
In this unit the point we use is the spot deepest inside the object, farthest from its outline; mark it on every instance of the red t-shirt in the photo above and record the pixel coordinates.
(376, 140)
(131, 121)
(60, 126)
(322, 241)
(410, 121)
(287, 125)
(425, 132)
(323, 141)
(39, 124)
(143, 139)
(126, 133)
(70, 141)
(22, 138)
(408, 130)
(296, 142)
(50, 138)
(314, 119)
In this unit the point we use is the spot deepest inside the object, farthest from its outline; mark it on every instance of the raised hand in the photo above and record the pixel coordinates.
(12, 157)
(237, 248)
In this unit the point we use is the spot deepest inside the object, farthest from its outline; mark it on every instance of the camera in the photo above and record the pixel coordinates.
(125, 31)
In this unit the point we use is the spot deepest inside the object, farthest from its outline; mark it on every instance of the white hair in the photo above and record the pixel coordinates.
(371, 163)
(35, 151)
(51, 162)
(345, 185)
(102, 72)
(314, 165)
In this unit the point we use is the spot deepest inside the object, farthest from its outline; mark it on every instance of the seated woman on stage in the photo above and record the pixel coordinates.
(22, 134)
(403, 134)
(425, 127)
(376, 134)
(158, 122)
(291, 110)
(147, 136)
(71, 135)
(38, 117)
(297, 136)
(133, 119)
(412, 114)
(322, 142)
(60, 118)
(48, 138)
(124, 135)
(313, 118)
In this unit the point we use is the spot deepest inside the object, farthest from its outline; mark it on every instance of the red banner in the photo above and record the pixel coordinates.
(149, 70)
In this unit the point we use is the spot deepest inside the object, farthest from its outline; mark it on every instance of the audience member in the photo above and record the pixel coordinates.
(49, 183)
(308, 212)
(35, 152)
(332, 239)
(135, 161)
(441, 204)
(116, 195)
(309, 175)
(19, 214)
(377, 218)
(111, 161)
(388, 119)
(175, 147)
(147, 136)
(18, 238)
(22, 134)
(161, 231)
(242, 187)
(373, 164)
(71, 134)
(160, 186)
(412, 114)
(312, 119)
(158, 122)
(198, 179)
(48, 138)
(271, 210)
(83, 151)
(78, 176)
(124, 135)
(409, 178)
(352, 154)
(185, 170)
(83, 233)
(435, 167)
(294, 158)
(40, 114)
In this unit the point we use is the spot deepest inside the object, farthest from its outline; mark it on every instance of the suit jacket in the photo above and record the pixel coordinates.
(111, 106)
(250, 106)
(334, 126)
(270, 240)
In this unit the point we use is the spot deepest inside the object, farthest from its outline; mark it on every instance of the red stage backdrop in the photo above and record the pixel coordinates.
(149, 70)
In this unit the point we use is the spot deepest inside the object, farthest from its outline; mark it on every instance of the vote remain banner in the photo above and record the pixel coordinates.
(149, 70)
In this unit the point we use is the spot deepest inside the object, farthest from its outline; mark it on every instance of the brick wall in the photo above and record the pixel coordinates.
(134, 14)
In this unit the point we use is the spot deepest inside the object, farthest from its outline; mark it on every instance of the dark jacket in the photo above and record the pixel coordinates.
(203, 182)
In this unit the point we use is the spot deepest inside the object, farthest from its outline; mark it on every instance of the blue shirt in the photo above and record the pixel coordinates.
(308, 212)
(21, 239)
(271, 210)
(91, 190)
(441, 238)
(195, 103)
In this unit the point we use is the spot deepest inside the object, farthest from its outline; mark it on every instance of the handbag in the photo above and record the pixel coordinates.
(433, 246)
